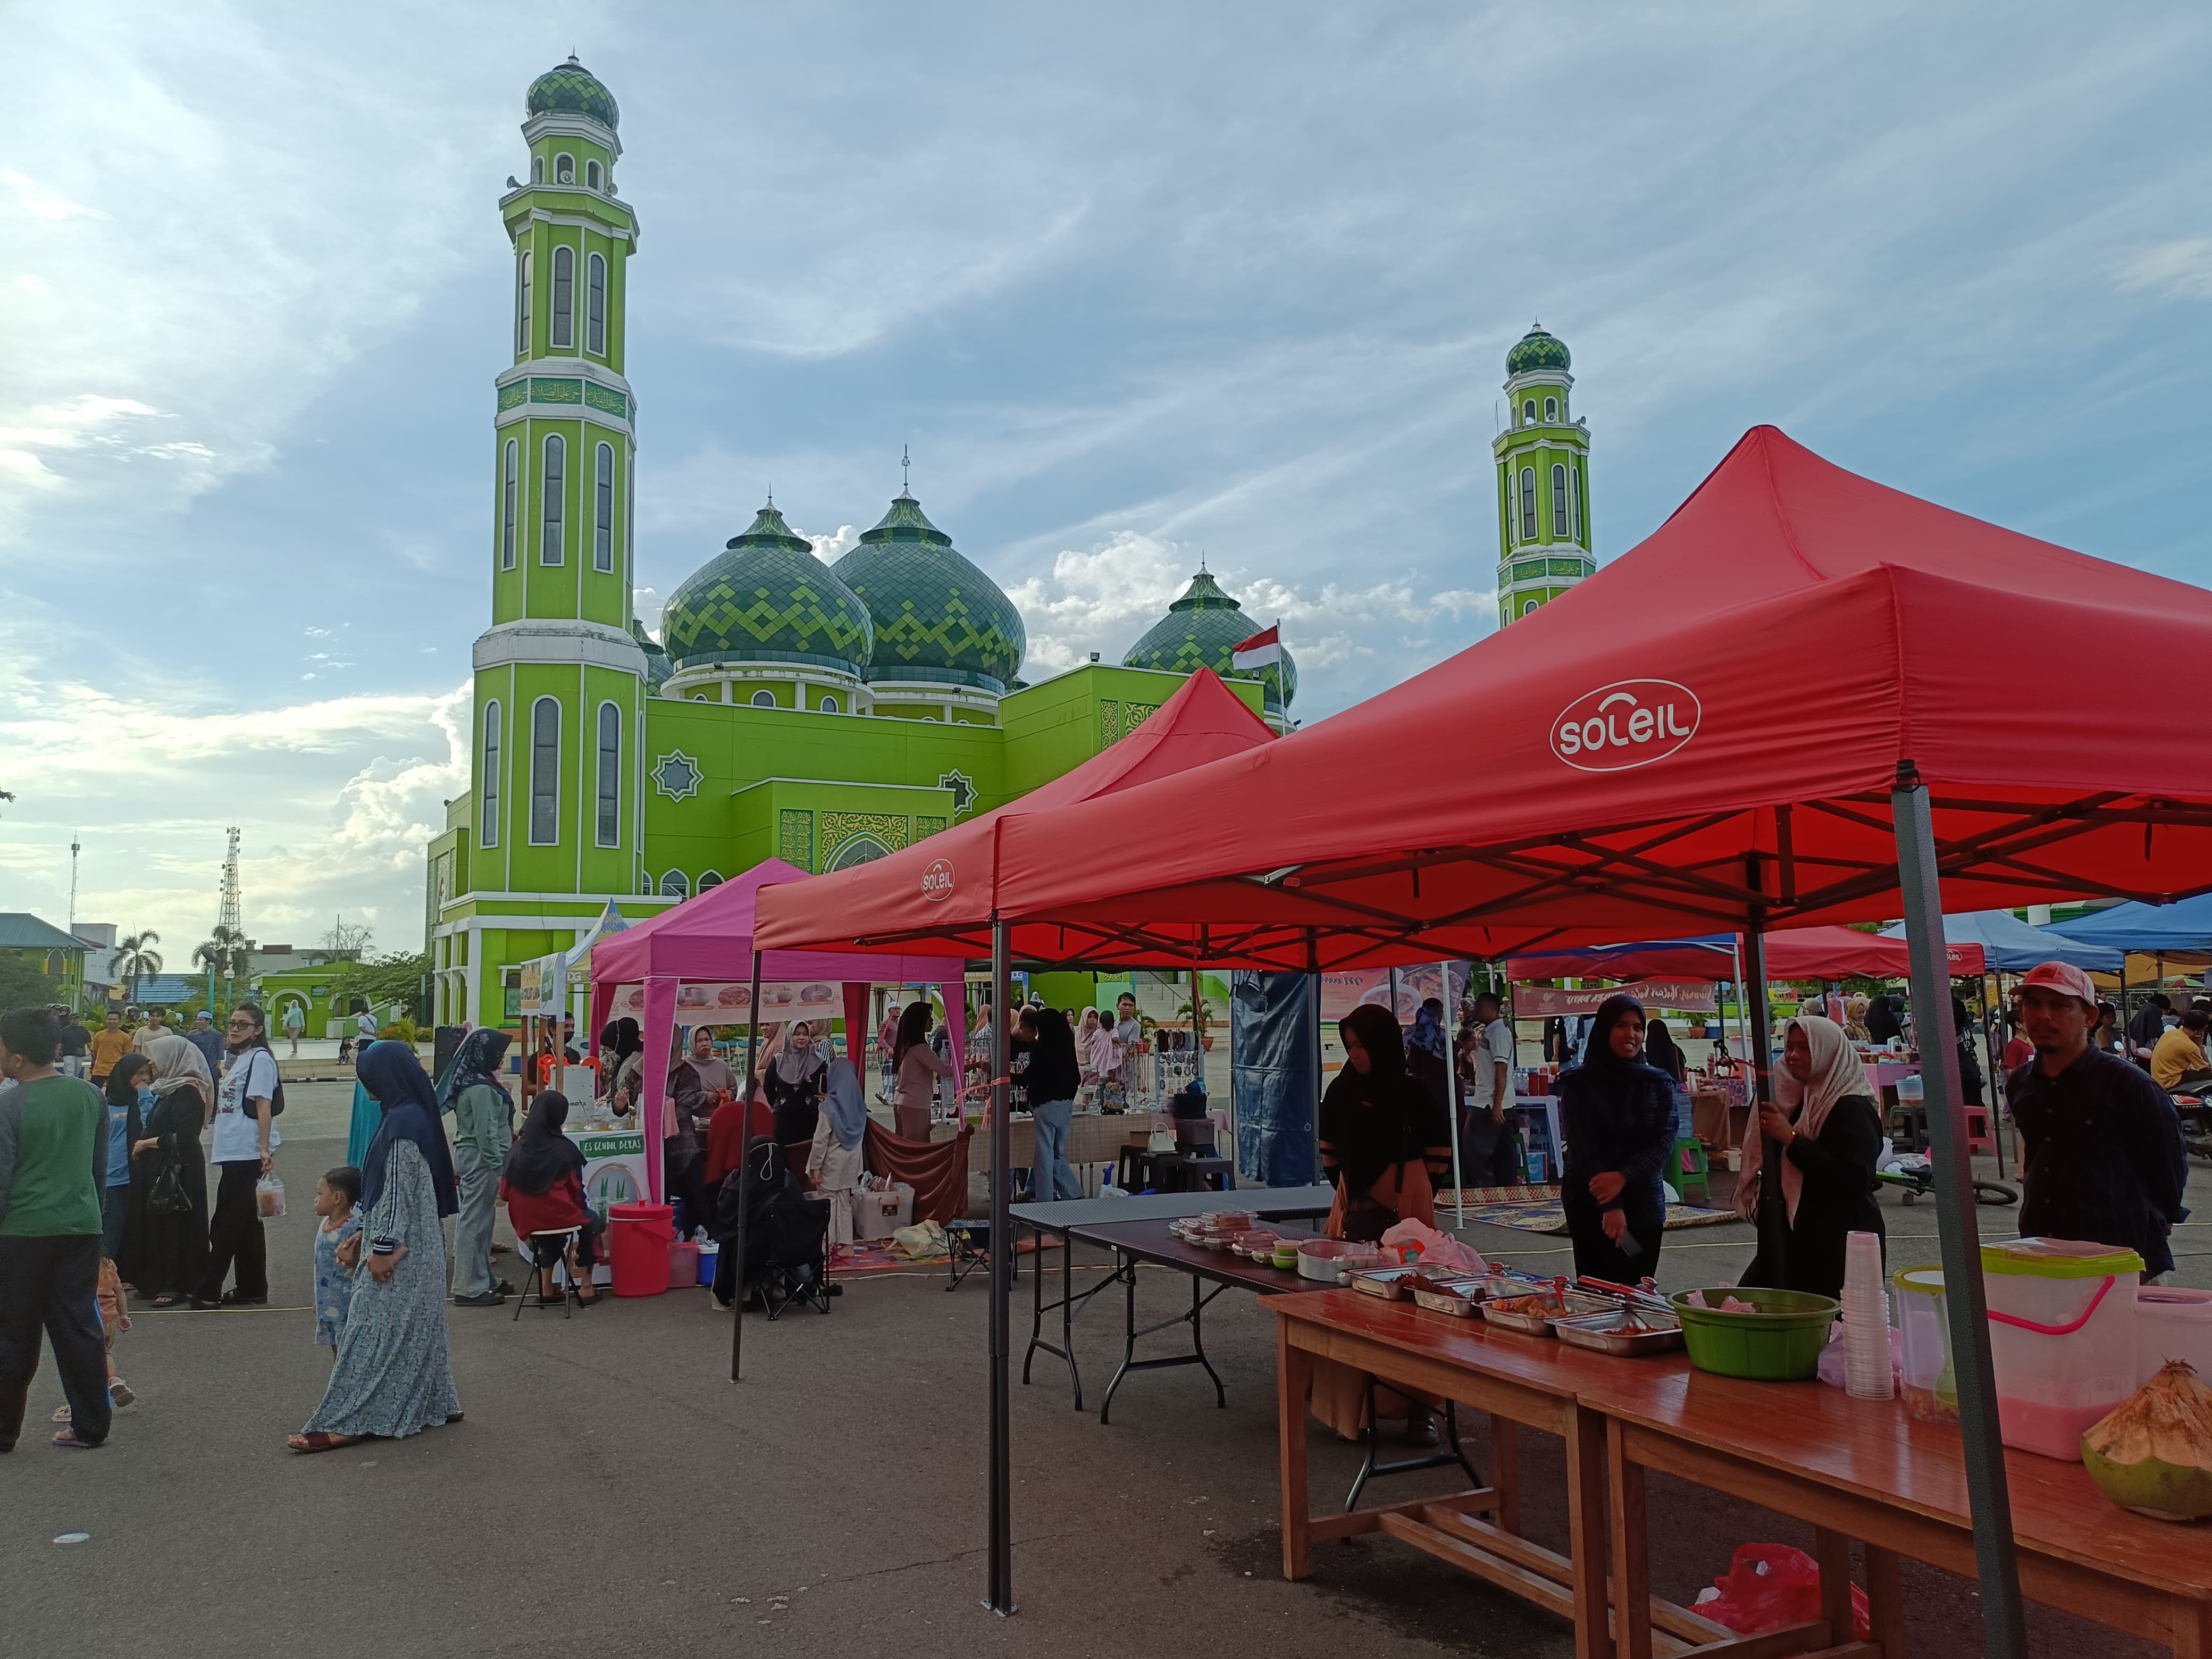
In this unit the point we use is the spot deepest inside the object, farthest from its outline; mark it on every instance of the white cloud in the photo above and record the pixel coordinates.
(2178, 271)
(646, 604)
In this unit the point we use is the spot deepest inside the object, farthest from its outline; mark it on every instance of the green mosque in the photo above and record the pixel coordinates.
(824, 715)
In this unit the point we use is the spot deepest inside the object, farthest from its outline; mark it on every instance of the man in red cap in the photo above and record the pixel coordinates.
(2104, 1161)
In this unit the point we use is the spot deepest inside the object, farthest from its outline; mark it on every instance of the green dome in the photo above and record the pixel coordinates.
(657, 669)
(765, 598)
(938, 617)
(1537, 349)
(569, 88)
(1197, 632)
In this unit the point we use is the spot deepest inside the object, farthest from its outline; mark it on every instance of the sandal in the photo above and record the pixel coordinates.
(316, 1441)
(231, 1298)
(166, 1300)
(61, 1414)
(67, 1441)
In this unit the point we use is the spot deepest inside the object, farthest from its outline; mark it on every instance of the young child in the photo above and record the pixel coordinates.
(338, 1200)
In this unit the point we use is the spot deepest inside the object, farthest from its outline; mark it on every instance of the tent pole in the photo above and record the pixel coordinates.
(2004, 1633)
(1451, 1087)
(744, 1172)
(1312, 1018)
(1197, 1032)
(1773, 1221)
(999, 1593)
(1997, 1081)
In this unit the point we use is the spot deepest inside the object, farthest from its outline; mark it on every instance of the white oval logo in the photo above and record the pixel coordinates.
(937, 881)
(1628, 723)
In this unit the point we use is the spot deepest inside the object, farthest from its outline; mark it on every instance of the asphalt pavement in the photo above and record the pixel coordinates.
(611, 1492)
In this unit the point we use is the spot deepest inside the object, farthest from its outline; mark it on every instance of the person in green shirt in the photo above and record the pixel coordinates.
(53, 1155)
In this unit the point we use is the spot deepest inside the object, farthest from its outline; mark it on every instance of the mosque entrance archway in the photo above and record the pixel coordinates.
(861, 849)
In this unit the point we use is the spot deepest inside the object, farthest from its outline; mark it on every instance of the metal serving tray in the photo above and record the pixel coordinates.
(1602, 1332)
(1391, 1283)
(1453, 1302)
(1539, 1324)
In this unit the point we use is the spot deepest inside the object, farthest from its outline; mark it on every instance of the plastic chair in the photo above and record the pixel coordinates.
(1691, 1169)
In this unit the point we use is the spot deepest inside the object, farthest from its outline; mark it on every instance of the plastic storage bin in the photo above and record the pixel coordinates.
(1780, 1343)
(2062, 1338)
(683, 1265)
(1930, 1392)
(879, 1211)
(638, 1236)
(2171, 1323)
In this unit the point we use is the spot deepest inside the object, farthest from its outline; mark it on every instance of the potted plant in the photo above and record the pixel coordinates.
(1197, 1023)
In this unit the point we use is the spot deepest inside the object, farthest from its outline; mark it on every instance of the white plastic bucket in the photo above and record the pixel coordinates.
(2062, 1338)
(2172, 1323)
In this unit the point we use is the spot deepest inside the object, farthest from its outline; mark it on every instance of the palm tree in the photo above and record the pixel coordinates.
(224, 952)
(135, 958)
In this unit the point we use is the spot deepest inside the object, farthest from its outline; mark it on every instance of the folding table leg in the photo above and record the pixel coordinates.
(1833, 1551)
(1198, 1340)
(1293, 1378)
(1585, 1432)
(1632, 1552)
(1886, 1601)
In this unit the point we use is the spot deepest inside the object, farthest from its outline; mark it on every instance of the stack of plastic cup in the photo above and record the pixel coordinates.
(1867, 1374)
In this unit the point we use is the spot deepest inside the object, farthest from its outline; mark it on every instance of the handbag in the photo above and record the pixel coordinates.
(168, 1195)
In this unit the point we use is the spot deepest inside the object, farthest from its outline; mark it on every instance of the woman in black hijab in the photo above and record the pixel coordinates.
(1659, 1047)
(543, 1188)
(1385, 1141)
(621, 1076)
(1617, 1116)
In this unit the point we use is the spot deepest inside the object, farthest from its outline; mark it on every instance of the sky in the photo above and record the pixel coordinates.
(1138, 286)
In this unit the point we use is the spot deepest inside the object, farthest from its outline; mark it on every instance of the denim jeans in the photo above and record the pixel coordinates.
(1052, 1175)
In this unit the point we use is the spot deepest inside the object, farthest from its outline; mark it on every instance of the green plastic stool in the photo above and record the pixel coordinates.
(1691, 1168)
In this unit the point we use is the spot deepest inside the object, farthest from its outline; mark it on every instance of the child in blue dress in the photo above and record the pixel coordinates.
(337, 1201)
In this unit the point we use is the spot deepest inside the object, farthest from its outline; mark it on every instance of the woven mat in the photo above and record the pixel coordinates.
(1538, 1210)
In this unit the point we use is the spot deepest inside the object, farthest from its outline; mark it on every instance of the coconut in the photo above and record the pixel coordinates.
(2152, 1452)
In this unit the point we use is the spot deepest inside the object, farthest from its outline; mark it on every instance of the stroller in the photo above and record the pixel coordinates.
(782, 1253)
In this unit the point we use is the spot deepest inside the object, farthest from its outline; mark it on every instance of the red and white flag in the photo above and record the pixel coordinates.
(1261, 649)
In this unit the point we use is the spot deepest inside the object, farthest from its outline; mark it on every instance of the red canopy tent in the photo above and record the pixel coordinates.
(1642, 776)
(1791, 953)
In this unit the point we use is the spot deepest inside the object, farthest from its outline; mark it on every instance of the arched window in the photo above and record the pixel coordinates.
(537, 169)
(1559, 500)
(710, 881)
(487, 820)
(1575, 501)
(1528, 503)
(829, 704)
(603, 510)
(544, 771)
(564, 296)
(610, 776)
(564, 169)
(673, 885)
(763, 699)
(1528, 413)
(595, 304)
(522, 306)
(506, 510)
(645, 883)
(699, 696)
(555, 496)
(1531, 606)
(1505, 484)
(591, 174)
(1551, 409)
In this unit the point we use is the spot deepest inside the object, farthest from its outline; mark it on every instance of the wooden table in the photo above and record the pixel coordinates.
(1519, 1381)
(1865, 1470)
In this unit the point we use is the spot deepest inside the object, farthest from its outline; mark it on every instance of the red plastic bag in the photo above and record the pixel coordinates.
(1771, 1585)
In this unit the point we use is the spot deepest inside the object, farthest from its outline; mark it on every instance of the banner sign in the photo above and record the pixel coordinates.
(1341, 993)
(731, 1001)
(1689, 996)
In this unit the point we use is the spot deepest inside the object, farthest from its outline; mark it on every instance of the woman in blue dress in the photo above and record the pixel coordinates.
(393, 1377)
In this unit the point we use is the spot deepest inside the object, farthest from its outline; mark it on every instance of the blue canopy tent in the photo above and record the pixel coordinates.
(2180, 929)
(2010, 945)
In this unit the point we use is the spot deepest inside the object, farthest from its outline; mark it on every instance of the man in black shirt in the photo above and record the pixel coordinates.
(75, 1041)
(2104, 1161)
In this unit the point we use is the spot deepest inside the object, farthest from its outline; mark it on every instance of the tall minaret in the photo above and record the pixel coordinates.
(559, 679)
(1543, 480)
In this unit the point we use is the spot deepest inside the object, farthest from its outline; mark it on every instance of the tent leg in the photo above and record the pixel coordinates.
(744, 1170)
(2004, 1632)
(1313, 1023)
(1451, 1087)
(1197, 1033)
(999, 1595)
(1773, 1223)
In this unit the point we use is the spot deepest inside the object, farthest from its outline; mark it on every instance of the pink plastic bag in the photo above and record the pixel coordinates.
(1771, 1585)
(1431, 1248)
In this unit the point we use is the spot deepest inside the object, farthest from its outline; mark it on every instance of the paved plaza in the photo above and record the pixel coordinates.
(610, 1493)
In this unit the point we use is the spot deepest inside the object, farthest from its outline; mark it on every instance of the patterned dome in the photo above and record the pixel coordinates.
(1197, 632)
(938, 617)
(657, 667)
(569, 88)
(1537, 349)
(765, 598)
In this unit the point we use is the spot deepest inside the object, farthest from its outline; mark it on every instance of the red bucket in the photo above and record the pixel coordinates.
(638, 1240)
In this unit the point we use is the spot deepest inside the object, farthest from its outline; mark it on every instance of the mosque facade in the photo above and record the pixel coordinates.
(824, 715)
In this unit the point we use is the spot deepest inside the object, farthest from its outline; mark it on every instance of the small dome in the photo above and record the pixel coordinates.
(937, 617)
(657, 666)
(765, 598)
(1537, 349)
(1198, 631)
(569, 88)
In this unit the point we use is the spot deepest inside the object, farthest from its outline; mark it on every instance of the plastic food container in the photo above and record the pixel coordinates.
(2171, 1323)
(1286, 1254)
(1931, 1393)
(2062, 1338)
(1780, 1343)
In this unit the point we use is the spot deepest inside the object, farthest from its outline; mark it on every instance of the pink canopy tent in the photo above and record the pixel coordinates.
(710, 940)
(1791, 953)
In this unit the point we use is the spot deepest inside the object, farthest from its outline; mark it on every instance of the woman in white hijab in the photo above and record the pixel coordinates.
(165, 1246)
(1828, 1127)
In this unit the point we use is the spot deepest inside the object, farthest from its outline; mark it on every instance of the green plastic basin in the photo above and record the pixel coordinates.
(1780, 1343)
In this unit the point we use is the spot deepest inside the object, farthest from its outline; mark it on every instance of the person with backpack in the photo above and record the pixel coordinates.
(245, 1109)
